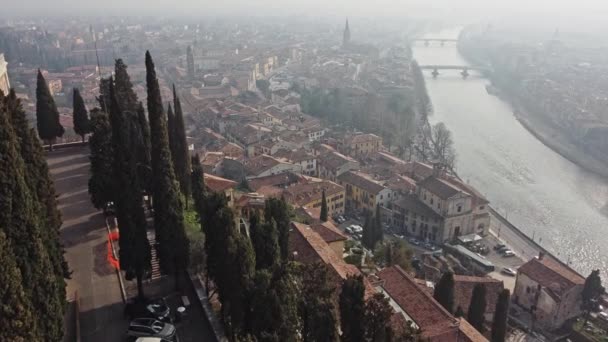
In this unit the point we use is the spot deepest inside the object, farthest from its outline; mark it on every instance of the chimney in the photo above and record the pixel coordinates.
(541, 254)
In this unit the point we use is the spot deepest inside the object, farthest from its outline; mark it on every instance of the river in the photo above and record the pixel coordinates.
(548, 197)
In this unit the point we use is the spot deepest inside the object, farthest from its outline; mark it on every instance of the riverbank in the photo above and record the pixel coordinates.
(555, 140)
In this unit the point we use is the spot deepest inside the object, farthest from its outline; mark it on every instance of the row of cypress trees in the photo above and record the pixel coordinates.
(32, 266)
(132, 156)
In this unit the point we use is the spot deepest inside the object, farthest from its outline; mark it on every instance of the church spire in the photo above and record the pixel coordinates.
(346, 37)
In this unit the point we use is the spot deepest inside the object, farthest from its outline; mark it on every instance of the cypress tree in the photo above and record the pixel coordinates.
(104, 95)
(171, 131)
(378, 314)
(265, 241)
(444, 291)
(459, 312)
(317, 309)
(352, 309)
(378, 232)
(173, 250)
(323, 216)
(144, 159)
(101, 157)
(368, 232)
(278, 210)
(80, 117)
(19, 220)
(198, 186)
(499, 325)
(41, 186)
(17, 319)
(123, 88)
(134, 252)
(477, 308)
(47, 116)
(181, 155)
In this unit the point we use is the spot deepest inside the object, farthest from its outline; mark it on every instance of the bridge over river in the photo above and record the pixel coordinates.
(464, 69)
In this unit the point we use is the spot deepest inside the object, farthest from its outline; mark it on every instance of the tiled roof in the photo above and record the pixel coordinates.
(551, 275)
(295, 156)
(212, 158)
(417, 303)
(282, 179)
(218, 184)
(259, 164)
(440, 187)
(419, 171)
(310, 248)
(361, 181)
(334, 160)
(469, 333)
(463, 290)
(329, 232)
(363, 138)
(304, 193)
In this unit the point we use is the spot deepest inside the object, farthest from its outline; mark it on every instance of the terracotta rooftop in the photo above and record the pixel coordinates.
(440, 187)
(463, 291)
(334, 160)
(282, 179)
(218, 184)
(295, 156)
(432, 319)
(259, 164)
(362, 181)
(329, 232)
(304, 193)
(419, 171)
(363, 138)
(551, 275)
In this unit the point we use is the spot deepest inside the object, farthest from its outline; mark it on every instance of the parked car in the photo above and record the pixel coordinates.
(149, 327)
(156, 309)
(414, 241)
(508, 271)
(508, 253)
(603, 316)
(499, 246)
(151, 339)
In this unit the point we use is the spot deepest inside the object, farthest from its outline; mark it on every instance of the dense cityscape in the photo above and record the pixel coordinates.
(282, 179)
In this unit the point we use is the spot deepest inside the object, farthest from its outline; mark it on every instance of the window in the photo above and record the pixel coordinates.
(482, 207)
(431, 200)
(381, 196)
(459, 208)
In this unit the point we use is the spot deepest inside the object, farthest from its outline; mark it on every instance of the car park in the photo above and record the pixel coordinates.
(508, 271)
(149, 327)
(156, 309)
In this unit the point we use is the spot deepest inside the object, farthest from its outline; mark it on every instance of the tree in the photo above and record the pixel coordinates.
(144, 167)
(499, 325)
(323, 216)
(477, 308)
(41, 186)
(101, 157)
(265, 241)
(459, 312)
(316, 307)
(264, 87)
(198, 186)
(20, 224)
(171, 131)
(444, 291)
(17, 318)
(378, 314)
(47, 116)
(395, 252)
(135, 256)
(278, 210)
(352, 309)
(123, 88)
(234, 280)
(104, 94)
(81, 116)
(378, 232)
(592, 291)
(173, 244)
(181, 154)
(368, 232)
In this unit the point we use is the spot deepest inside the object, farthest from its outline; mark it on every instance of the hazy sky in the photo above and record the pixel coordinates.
(281, 7)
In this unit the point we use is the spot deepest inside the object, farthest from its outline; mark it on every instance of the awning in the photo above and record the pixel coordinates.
(469, 238)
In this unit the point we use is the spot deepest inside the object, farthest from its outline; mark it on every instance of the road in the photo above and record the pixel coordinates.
(84, 236)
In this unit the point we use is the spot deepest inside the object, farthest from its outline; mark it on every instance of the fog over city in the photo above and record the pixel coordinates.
(303, 170)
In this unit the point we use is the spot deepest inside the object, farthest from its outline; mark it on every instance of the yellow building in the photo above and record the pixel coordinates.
(363, 192)
(361, 144)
